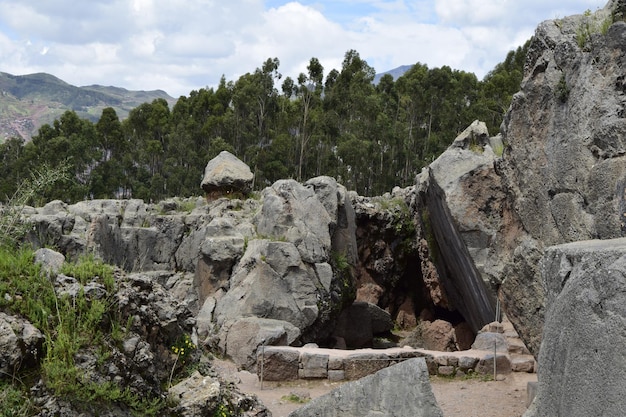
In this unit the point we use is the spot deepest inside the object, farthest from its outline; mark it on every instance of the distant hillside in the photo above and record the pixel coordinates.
(395, 73)
(29, 101)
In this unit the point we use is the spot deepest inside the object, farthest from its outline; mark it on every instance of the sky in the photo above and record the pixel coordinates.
(184, 45)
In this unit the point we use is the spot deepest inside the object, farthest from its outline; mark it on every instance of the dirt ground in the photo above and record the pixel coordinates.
(456, 397)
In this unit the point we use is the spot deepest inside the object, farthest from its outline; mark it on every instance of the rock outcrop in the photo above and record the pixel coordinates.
(564, 166)
(581, 361)
(399, 390)
(287, 257)
(486, 219)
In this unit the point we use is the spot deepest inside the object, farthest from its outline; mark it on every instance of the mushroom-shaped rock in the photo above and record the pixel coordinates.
(225, 174)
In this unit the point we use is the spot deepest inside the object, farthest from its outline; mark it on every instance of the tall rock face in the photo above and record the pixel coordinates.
(564, 166)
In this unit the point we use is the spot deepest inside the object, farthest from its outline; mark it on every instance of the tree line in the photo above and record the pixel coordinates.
(371, 137)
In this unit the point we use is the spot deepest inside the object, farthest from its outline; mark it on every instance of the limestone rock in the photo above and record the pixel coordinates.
(460, 199)
(438, 335)
(564, 166)
(292, 212)
(336, 200)
(489, 340)
(21, 344)
(201, 395)
(278, 364)
(272, 281)
(503, 364)
(225, 174)
(399, 390)
(358, 324)
(242, 337)
(195, 396)
(51, 261)
(581, 361)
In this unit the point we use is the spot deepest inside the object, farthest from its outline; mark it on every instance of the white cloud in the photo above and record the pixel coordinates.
(180, 45)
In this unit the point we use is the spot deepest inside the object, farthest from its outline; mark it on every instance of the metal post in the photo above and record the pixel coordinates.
(262, 360)
(495, 354)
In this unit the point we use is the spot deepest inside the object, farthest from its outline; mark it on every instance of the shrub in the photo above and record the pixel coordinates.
(12, 228)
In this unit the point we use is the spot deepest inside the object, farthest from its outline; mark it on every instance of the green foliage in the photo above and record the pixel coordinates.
(12, 229)
(88, 268)
(340, 261)
(498, 149)
(370, 137)
(562, 90)
(15, 402)
(69, 324)
(295, 398)
(433, 248)
(223, 410)
(183, 348)
(591, 25)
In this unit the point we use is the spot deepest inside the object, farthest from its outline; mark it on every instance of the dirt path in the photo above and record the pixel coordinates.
(456, 397)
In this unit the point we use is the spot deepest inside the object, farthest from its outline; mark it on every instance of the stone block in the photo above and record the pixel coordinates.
(524, 363)
(441, 360)
(314, 365)
(278, 364)
(446, 370)
(357, 367)
(336, 375)
(335, 364)
(516, 346)
(485, 365)
(487, 341)
(467, 362)
(531, 392)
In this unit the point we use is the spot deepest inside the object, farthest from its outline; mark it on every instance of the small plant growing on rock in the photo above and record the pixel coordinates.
(562, 90)
(183, 348)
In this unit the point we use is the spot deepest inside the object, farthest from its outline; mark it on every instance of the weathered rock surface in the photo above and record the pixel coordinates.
(226, 174)
(582, 360)
(400, 390)
(21, 344)
(241, 338)
(273, 258)
(459, 202)
(564, 166)
(51, 261)
(202, 395)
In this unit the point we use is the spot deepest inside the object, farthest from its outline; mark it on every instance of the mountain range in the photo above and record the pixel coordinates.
(29, 101)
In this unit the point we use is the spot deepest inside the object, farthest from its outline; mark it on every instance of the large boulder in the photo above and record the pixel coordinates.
(397, 391)
(293, 213)
(582, 360)
(359, 323)
(202, 395)
(226, 174)
(272, 281)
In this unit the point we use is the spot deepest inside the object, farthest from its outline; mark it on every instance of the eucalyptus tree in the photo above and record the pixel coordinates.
(309, 92)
